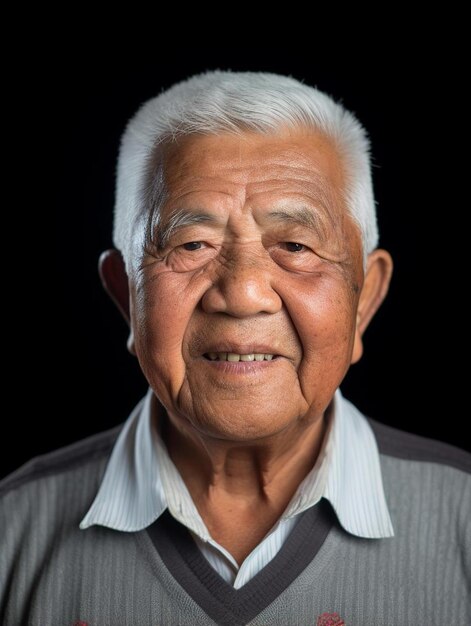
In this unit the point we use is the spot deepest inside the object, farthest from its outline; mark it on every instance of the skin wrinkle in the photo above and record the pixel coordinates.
(327, 196)
(245, 435)
(184, 189)
(166, 228)
(163, 228)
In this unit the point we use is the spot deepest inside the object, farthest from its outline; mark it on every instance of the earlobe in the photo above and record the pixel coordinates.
(115, 280)
(375, 288)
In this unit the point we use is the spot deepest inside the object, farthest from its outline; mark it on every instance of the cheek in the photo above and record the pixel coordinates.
(162, 309)
(323, 311)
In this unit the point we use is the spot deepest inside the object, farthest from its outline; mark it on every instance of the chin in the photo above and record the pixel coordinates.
(242, 428)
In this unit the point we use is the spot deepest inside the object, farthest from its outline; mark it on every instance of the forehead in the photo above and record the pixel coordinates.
(236, 179)
(251, 164)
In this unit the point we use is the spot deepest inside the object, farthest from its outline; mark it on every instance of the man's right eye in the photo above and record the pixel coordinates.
(192, 245)
(293, 246)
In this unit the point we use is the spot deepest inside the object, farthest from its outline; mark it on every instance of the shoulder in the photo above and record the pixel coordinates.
(424, 481)
(49, 495)
(87, 452)
(41, 506)
(399, 444)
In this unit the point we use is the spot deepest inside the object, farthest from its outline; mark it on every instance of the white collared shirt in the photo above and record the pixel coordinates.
(141, 482)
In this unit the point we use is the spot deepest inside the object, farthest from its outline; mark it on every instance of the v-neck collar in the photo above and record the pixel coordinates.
(224, 604)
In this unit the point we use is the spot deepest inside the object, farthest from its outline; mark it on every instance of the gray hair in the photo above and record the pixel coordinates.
(224, 101)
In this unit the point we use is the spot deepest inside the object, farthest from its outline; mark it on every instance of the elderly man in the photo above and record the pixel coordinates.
(243, 489)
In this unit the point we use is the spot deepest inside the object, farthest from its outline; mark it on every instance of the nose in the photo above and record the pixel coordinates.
(243, 287)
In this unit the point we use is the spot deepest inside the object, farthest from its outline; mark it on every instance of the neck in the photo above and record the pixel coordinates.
(269, 469)
(243, 485)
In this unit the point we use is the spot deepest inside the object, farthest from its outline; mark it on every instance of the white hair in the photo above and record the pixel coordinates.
(224, 101)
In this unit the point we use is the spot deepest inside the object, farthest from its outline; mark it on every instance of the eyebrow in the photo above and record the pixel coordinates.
(301, 216)
(180, 219)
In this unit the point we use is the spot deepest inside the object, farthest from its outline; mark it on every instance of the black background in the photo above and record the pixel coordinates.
(71, 375)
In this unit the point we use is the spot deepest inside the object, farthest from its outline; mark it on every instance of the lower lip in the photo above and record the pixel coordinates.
(241, 367)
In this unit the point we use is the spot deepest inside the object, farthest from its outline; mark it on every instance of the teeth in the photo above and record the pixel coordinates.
(234, 358)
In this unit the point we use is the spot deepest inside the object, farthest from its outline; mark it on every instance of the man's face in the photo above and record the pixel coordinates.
(258, 257)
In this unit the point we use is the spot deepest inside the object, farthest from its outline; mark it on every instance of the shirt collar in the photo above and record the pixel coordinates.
(354, 482)
(134, 493)
(131, 495)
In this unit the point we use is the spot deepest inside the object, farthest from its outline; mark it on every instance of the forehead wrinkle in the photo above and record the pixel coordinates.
(321, 188)
(287, 172)
(189, 160)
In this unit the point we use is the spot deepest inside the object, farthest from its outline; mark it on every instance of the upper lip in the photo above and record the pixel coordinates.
(237, 348)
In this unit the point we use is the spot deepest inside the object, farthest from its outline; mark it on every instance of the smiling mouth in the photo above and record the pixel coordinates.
(235, 358)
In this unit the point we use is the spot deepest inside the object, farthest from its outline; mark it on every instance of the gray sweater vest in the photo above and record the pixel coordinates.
(54, 574)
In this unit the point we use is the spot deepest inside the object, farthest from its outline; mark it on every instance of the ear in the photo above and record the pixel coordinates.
(115, 282)
(378, 274)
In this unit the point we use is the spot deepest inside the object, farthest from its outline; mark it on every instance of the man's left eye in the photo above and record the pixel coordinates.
(192, 245)
(292, 246)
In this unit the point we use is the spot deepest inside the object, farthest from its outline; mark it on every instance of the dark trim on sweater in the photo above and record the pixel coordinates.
(79, 453)
(402, 445)
(224, 604)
